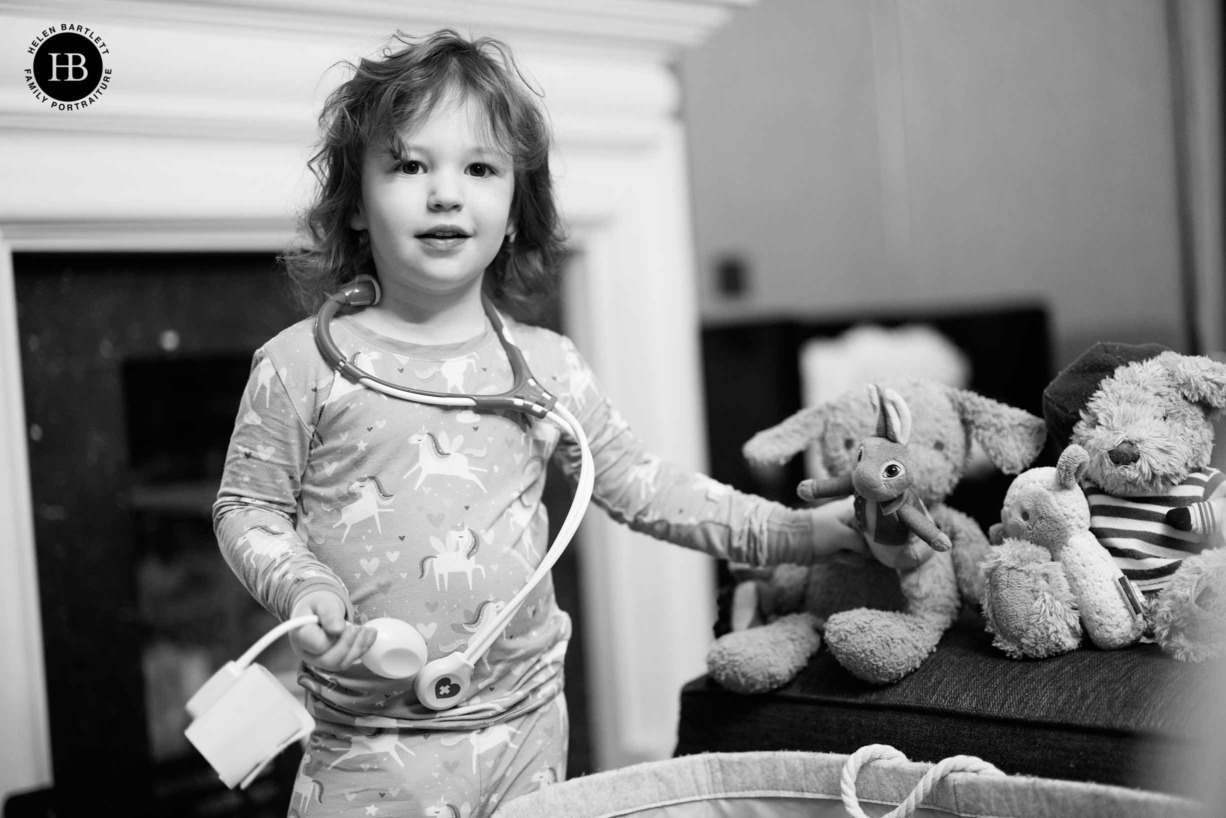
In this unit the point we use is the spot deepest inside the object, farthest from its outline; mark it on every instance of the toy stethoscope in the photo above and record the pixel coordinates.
(444, 682)
(243, 717)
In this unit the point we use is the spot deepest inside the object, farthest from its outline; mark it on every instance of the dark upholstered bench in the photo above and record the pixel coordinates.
(1131, 718)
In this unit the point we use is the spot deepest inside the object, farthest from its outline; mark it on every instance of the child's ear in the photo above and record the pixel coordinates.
(358, 220)
(510, 230)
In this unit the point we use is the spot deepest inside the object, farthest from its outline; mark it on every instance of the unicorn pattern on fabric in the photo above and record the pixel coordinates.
(436, 459)
(457, 556)
(372, 498)
(493, 737)
(383, 741)
(267, 543)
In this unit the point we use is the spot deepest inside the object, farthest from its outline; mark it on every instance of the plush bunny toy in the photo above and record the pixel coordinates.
(893, 518)
(1048, 574)
(856, 601)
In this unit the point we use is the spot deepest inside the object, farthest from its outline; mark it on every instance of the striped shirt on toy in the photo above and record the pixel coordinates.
(1140, 537)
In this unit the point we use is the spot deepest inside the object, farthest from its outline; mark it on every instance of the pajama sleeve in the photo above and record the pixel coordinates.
(665, 501)
(256, 512)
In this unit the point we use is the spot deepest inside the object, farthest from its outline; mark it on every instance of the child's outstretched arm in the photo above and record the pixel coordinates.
(690, 509)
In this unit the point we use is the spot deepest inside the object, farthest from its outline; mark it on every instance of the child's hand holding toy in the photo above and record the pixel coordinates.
(334, 643)
(834, 528)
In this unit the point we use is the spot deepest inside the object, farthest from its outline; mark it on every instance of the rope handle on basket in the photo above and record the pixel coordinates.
(884, 752)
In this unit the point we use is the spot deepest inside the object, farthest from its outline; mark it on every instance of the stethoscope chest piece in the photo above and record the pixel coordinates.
(444, 682)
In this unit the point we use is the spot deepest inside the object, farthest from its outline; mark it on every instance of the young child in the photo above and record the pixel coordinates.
(344, 503)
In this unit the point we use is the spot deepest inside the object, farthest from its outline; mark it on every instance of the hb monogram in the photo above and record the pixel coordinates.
(72, 64)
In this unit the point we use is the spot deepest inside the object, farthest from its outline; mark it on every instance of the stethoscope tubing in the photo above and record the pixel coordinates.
(484, 638)
(273, 635)
(560, 415)
(525, 396)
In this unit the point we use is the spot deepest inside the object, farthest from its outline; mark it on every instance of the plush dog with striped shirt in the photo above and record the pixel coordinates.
(1146, 415)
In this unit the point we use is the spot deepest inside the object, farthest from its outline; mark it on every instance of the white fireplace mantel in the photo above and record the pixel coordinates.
(199, 143)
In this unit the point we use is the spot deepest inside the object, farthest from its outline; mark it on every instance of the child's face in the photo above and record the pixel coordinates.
(437, 215)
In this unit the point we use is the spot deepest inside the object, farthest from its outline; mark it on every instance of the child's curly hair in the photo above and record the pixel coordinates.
(387, 97)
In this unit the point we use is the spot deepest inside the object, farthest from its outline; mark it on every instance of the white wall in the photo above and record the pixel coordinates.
(887, 155)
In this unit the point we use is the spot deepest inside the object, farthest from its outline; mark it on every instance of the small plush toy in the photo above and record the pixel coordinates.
(1145, 416)
(1049, 574)
(856, 601)
(893, 518)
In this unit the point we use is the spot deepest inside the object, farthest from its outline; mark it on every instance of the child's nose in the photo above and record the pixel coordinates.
(440, 204)
(444, 195)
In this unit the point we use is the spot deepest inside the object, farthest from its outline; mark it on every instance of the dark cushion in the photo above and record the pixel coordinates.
(1130, 717)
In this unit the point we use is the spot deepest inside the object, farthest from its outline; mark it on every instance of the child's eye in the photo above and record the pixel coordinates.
(412, 166)
(480, 169)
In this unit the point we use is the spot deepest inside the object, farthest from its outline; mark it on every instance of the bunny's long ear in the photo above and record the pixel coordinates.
(1011, 438)
(874, 400)
(1200, 379)
(897, 416)
(781, 442)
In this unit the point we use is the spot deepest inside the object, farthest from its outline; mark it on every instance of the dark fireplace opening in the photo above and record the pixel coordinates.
(132, 368)
(194, 615)
(179, 413)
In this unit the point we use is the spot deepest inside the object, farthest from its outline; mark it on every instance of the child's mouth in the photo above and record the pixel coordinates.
(443, 238)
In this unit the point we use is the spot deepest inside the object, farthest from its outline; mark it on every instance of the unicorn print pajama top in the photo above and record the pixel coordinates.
(433, 515)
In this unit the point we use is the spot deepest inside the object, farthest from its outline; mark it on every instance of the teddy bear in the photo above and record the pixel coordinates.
(1145, 415)
(1048, 574)
(857, 602)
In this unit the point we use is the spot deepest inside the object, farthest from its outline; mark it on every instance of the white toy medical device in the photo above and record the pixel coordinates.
(243, 716)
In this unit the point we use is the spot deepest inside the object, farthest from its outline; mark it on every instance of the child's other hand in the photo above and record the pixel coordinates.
(834, 528)
(334, 643)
